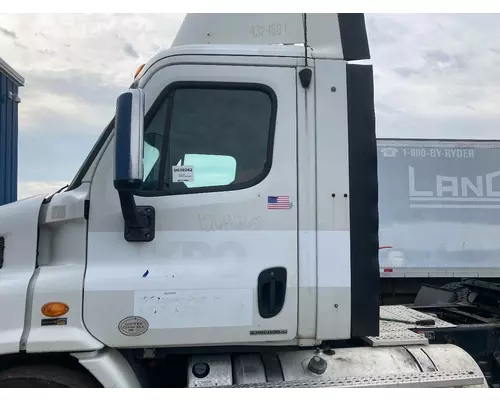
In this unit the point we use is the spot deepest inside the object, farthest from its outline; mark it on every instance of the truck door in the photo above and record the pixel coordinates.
(220, 174)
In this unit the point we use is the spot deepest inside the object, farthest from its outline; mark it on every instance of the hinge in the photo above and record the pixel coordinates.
(142, 229)
(86, 209)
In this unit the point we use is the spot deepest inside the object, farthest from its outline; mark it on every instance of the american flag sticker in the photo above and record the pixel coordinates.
(278, 203)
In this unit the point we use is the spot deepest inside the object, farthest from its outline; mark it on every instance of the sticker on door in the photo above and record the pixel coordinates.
(182, 173)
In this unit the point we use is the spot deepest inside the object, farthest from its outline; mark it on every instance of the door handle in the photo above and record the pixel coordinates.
(271, 291)
(272, 295)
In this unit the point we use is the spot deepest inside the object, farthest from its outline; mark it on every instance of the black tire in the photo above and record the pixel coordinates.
(45, 376)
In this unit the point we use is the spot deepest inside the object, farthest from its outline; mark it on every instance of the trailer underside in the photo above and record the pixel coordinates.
(470, 310)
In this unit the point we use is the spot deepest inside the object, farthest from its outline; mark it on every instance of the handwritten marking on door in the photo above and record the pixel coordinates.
(213, 222)
(195, 308)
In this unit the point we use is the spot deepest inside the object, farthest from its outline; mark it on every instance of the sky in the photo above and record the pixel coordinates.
(436, 76)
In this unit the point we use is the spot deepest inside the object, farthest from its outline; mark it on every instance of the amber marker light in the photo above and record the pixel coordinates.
(55, 309)
(139, 70)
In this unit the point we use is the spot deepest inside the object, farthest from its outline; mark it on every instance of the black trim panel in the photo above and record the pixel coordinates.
(354, 37)
(363, 182)
(2, 250)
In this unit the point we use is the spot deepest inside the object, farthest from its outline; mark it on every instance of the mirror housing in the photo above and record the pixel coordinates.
(129, 140)
(139, 221)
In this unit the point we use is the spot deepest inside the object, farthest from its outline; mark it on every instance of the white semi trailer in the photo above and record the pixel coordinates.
(224, 230)
(439, 213)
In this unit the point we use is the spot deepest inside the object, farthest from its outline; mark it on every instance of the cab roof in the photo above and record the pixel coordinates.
(332, 36)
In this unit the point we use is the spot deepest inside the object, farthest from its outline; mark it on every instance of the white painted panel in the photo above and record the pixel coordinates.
(218, 241)
(334, 259)
(18, 227)
(60, 276)
(306, 155)
(190, 260)
(195, 308)
(323, 30)
(332, 160)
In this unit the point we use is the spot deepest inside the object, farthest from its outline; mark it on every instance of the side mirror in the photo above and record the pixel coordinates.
(129, 140)
(139, 221)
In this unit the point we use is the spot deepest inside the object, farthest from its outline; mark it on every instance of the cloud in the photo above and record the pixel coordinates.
(92, 43)
(85, 100)
(74, 66)
(436, 73)
(60, 120)
(435, 76)
(33, 188)
(129, 49)
(8, 33)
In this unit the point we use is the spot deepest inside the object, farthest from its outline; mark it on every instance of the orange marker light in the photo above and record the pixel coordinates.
(139, 70)
(54, 309)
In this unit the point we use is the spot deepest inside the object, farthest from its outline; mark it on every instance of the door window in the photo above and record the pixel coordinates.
(209, 137)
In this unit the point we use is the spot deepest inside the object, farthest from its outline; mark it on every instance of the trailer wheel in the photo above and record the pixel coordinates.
(45, 376)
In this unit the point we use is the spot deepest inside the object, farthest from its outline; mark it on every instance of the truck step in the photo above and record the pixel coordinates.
(420, 380)
(396, 324)
(397, 366)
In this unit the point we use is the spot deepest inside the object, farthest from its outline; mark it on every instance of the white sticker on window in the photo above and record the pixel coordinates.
(182, 173)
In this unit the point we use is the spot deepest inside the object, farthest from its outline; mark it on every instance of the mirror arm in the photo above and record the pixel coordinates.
(139, 220)
(129, 208)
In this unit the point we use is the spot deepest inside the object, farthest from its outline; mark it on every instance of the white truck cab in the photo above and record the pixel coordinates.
(230, 205)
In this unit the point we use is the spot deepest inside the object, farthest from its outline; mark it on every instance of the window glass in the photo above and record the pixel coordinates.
(211, 170)
(219, 136)
(151, 156)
